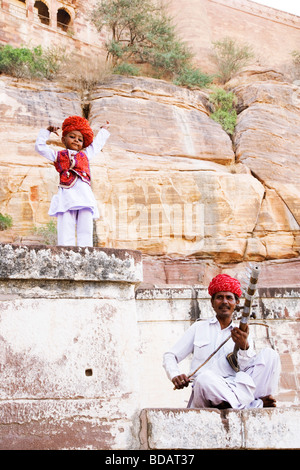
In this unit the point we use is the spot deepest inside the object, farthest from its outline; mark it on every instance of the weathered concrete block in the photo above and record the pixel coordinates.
(277, 428)
(68, 347)
(190, 429)
(213, 429)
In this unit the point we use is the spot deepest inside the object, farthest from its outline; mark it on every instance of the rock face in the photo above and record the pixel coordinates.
(267, 142)
(169, 181)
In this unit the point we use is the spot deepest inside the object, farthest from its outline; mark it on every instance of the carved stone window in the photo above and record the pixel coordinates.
(63, 19)
(42, 12)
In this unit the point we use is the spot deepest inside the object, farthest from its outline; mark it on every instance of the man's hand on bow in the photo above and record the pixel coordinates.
(181, 381)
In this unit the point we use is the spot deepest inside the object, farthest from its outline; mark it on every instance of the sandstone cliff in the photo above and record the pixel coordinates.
(169, 182)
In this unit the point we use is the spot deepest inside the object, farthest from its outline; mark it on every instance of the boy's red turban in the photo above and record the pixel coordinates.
(224, 283)
(78, 123)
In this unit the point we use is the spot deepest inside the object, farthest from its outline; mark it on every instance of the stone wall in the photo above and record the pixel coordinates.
(68, 348)
(267, 429)
(21, 24)
(82, 341)
(199, 23)
(202, 22)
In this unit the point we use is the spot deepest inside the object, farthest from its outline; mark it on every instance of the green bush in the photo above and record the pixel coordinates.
(48, 233)
(192, 78)
(5, 222)
(126, 69)
(142, 33)
(22, 62)
(224, 109)
(296, 57)
(296, 63)
(230, 57)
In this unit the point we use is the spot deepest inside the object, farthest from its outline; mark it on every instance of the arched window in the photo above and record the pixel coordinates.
(63, 19)
(42, 12)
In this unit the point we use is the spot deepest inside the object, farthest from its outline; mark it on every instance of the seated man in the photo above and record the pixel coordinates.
(216, 384)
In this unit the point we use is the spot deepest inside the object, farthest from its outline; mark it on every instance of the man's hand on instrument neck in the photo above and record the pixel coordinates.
(240, 337)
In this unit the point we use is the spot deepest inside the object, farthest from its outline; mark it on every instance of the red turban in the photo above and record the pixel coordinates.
(224, 283)
(78, 123)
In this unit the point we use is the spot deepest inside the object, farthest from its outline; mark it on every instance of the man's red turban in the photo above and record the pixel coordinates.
(78, 123)
(224, 283)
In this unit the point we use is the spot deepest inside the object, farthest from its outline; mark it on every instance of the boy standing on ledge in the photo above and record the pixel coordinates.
(74, 205)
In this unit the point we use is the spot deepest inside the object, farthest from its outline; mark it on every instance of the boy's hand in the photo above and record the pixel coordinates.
(53, 129)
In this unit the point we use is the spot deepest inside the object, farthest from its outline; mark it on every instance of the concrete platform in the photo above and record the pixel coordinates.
(268, 428)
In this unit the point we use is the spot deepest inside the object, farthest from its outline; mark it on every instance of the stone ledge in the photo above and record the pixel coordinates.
(209, 428)
(70, 263)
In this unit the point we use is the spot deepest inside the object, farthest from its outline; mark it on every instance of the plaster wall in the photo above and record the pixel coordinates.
(81, 345)
(68, 348)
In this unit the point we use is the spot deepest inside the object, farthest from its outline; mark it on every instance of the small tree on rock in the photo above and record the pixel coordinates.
(230, 57)
(141, 33)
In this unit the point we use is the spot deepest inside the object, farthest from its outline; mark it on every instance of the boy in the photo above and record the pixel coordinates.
(74, 204)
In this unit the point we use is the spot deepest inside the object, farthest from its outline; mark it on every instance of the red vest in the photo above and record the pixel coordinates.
(69, 168)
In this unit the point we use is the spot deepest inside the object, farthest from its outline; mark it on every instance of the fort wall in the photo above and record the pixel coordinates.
(273, 34)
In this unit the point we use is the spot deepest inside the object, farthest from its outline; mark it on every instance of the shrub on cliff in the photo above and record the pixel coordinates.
(296, 62)
(47, 233)
(224, 109)
(22, 62)
(192, 77)
(230, 57)
(5, 222)
(141, 33)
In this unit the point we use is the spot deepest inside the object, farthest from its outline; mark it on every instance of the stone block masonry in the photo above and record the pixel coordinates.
(67, 360)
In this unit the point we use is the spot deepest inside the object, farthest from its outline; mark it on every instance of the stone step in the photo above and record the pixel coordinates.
(208, 428)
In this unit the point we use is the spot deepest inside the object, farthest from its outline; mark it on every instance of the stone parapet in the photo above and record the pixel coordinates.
(213, 429)
(70, 263)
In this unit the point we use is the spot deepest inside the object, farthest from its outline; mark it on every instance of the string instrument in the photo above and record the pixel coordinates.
(249, 295)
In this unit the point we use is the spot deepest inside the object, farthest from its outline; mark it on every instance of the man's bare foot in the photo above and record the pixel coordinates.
(221, 406)
(268, 401)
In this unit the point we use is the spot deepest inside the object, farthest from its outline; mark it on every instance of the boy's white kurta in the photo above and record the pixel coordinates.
(216, 381)
(80, 196)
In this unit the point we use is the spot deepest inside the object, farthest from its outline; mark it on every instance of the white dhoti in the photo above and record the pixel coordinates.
(244, 390)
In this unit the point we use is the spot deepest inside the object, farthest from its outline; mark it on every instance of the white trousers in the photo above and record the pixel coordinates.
(69, 221)
(211, 389)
